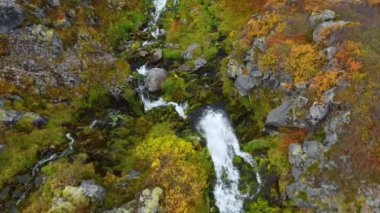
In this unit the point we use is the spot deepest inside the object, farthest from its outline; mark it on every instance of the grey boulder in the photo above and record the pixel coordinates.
(155, 78)
(92, 190)
(11, 15)
(317, 18)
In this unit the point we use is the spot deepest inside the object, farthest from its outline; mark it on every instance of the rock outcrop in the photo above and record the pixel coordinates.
(155, 78)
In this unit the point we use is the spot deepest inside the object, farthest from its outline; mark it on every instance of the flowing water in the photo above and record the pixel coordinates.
(143, 70)
(223, 146)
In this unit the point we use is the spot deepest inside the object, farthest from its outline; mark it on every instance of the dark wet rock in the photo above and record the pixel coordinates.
(188, 54)
(317, 113)
(24, 179)
(199, 63)
(320, 35)
(317, 18)
(156, 56)
(11, 15)
(92, 190)
(260, 43)
(8, 117)
(5, 193)
(154, 79)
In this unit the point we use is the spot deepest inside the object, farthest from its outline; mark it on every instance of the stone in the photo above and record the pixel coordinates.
(323, 30)
(93, 191)
(11, 15)
(54, 3)
(185, 67)
(199, 63)
(156, 56)
(279, 117)
(295, 154)
(260, 43)
(330, 52)
(155, 78)
(2, 147)
(8, 117)
(317, 18)
(244, 83)
(233, 68)
(143, 53)
(317, 112)
(76, 196)
(188, 54)
(24, 179)
(312, 149)
(61, 205)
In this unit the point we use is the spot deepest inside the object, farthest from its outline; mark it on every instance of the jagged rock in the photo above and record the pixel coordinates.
(199, 63)
(323, 30)
(156, 56)
(318, 112)
(260, 43)
(11, 15)
(317, 18)
(312, 149)
(333, 127)
(288, 114)
(93, 191)
(188, 54)
(154, 79)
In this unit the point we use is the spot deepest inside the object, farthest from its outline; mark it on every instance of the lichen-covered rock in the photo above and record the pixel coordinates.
(93, 191)
(318, 112)
(148, 202)
(60, 205)
(199, 63)
(233, 68)
(155, 78)
(76, 196)
(11, 15)
(317, 18)
(260, 43)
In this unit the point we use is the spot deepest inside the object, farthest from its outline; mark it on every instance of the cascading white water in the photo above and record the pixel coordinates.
(223, 146)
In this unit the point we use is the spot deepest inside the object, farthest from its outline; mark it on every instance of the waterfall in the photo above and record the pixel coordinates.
(223, 146)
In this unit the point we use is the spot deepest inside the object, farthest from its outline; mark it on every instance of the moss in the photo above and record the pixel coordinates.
(172, 54)
(174, 88)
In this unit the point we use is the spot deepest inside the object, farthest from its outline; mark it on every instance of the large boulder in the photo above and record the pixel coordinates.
(155, 78)
(317, 18)
(11, 15)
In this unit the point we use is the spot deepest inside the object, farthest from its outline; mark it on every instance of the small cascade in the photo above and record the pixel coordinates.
(151, 104)
(223, 146)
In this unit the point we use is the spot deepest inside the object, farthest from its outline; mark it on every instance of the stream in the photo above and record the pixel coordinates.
(215, 128)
